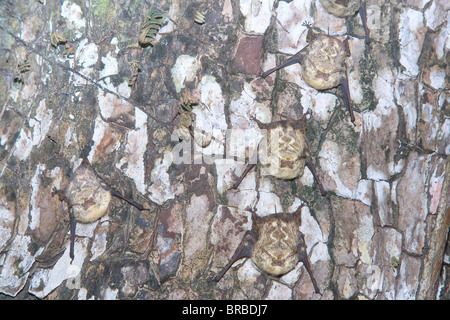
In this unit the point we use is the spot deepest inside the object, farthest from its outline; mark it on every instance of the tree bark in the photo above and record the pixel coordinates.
(76, 82)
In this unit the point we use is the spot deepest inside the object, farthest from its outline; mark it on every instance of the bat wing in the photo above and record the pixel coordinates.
(244, 250)
(303, 257)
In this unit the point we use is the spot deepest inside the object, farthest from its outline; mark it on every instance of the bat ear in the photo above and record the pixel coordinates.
(256, 221)
(85, 153)
(297, 215)
(302, 123)
(261, 125)
(310, 35)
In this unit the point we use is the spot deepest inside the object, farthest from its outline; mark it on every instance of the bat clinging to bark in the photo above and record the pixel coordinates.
(275, 246)
(323, 64)
(287, 152)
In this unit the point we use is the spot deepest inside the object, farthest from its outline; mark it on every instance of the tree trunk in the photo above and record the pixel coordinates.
(86, 80)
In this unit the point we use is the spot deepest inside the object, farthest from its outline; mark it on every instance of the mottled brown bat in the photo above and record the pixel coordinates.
(323, 64)
(88, 198)
(286, 153)
(275, 246)
(347, 8)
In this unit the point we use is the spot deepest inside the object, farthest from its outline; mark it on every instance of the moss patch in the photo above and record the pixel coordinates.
(368, 69)
(102, 9)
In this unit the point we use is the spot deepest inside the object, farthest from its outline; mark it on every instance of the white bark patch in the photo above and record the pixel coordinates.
(110, 104)
(364, 234)
(442, 42)
(35, 186)
(184, 70)
(257, 14)
(210, 116)
(411, 37)
(6, 222)
(195, 238)
(344, 172)
(86, 54)
(161, 190)
(110, 66)
(101, 130)
(227, 11)
(437, 77)
(279, 292)
(74, 16)
(17, 263)
(243, 141)
(312, 232)
(382, 190)
(132, 164)
(290, 29)
(326, 21)
(323, 106)
(28, 29)
(383, 84)
(268, 203)
(412, 201)
(247, 272)
(45, 281)
(40, 124)
(247, 134)
(408, 280)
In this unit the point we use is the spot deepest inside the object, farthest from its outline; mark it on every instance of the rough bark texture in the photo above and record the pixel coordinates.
(382, 232)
